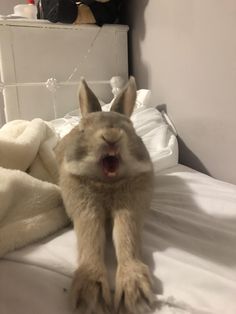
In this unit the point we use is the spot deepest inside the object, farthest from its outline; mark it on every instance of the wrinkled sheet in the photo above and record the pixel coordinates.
(189, 242)
(30, 202)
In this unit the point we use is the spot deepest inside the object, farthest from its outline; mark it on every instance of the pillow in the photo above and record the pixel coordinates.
(158, 137)
(156, 133)
(71, 119)
(142, 100)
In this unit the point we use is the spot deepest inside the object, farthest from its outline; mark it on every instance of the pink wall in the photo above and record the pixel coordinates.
(185, 52)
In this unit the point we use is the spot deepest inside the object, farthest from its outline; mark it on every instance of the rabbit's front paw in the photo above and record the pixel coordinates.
(133, 293)
(90, 291)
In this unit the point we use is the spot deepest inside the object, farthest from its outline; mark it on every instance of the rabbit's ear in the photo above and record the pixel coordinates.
(125, 101)
(87, 100)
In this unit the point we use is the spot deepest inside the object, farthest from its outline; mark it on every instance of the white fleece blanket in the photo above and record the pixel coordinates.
(30, 201)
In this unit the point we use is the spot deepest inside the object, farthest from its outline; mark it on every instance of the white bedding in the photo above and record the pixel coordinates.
(189, 241)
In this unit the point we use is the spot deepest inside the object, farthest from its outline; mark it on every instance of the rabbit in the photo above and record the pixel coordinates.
(106, 176)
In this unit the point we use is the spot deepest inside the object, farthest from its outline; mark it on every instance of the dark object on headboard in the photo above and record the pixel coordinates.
(106, 12)
(85, 12)
(63, 11)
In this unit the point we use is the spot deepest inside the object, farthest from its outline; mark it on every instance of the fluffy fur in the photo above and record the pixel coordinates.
(95, 195)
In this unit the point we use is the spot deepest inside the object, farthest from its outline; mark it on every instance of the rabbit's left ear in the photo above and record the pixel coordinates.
(88, 102)
(124, 103)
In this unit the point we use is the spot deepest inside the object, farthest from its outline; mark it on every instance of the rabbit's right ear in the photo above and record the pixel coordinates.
(87, 100)
(124, 103)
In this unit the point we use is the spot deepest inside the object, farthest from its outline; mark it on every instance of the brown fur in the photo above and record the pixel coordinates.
(91, 199)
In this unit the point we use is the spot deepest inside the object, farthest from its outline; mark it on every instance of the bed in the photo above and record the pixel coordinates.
(189, 237)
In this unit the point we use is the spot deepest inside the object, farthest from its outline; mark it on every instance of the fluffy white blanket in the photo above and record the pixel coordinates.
(30, 202)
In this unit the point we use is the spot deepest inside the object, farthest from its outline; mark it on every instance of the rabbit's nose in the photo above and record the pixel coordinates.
(112, 136)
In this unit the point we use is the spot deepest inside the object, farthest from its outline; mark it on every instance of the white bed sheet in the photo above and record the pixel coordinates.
(189, 242)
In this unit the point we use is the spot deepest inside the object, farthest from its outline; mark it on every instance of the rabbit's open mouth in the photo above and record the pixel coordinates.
(110, 165)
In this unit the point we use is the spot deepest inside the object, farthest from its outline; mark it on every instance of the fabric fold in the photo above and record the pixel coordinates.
(31, 206)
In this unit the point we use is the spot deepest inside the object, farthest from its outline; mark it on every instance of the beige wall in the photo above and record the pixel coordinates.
(185, 52)
(6, 6)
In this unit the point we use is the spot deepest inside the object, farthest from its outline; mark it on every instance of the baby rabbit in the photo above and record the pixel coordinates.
(106, 176)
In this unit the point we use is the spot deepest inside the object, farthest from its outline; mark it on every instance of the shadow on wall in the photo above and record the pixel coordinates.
(133, 16)
(186, 155)
(188, 158)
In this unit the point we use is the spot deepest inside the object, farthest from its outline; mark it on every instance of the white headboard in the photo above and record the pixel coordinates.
(42, 63)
